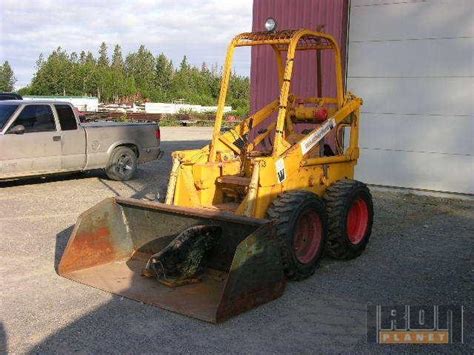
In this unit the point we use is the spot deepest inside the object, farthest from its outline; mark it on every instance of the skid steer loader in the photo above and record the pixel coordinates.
(257, 206)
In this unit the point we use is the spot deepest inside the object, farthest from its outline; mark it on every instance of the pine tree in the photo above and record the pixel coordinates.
(53, 74)
(117, 59)
(82, 57)
(118, 82)
(39, 61)
(74, 57)
(7, 77)
(141, 66)
(184, 65)
(163, 77)
(103, 75)
(89, 76)
(103, 60)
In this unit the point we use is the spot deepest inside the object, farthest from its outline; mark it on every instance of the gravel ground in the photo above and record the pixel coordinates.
(421, 253)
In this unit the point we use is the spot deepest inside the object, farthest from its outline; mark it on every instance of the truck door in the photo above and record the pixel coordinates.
(33, 143)
(73, 139)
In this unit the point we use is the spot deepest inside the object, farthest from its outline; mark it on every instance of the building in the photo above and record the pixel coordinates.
(82, 103)
(412, 63)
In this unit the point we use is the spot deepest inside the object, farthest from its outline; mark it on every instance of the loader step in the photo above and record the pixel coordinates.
(234, 180)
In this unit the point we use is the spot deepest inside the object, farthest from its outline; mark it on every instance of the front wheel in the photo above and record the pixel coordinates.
(122, 164)
(351, 214)
(301, 226)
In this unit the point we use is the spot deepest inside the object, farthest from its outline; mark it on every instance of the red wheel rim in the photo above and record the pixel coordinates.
(357, 221)
(308, 235)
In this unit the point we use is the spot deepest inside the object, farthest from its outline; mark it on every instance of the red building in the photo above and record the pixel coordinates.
(291, 15)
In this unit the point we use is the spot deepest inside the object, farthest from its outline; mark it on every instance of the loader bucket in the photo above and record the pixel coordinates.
(112, 242)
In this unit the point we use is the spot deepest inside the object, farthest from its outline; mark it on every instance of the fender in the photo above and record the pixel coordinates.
(125, 142)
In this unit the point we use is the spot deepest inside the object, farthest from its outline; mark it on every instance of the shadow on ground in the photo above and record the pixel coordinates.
(52, 178)
(3, 339)
(418, 255)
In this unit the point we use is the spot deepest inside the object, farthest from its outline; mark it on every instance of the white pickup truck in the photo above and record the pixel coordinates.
(39, 138)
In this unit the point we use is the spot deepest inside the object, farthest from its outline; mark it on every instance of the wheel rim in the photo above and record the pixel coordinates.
(307, 237)
(124, 164)
(357, 221)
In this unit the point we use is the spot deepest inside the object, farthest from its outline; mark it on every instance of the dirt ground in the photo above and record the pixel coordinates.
(421, 253)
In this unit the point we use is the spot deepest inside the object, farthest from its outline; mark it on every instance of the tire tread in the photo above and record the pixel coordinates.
(336, 198)
(279, 211)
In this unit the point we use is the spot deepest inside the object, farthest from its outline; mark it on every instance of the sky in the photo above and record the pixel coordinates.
(199, 29)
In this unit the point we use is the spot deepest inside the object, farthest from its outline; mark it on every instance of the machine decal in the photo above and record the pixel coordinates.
(317, 135)
(280, 168)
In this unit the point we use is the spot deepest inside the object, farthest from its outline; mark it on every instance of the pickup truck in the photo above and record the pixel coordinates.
(39, 138)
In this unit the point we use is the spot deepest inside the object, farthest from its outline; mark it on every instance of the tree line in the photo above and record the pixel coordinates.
(140, 76)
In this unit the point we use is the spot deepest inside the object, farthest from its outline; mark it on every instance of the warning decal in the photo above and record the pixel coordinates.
(317, 135)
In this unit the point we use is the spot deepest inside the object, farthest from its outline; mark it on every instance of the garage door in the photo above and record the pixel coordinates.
(413, 63)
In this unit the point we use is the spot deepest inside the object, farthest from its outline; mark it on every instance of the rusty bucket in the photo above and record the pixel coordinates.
(112, 241)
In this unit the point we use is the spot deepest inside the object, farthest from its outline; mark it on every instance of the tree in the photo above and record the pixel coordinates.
(140, 76)
(117, 73)
(74, 57)
(39, 61)
(117, 58)
(163, 77)
(184, 65)
(103, 74)
(82, 57)
(141, 66)
(103, 60)
(7, 77)
(239, 94)
(89, 75)
(53, 75)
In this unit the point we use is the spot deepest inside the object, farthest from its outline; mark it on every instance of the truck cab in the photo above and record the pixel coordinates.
(42, 137)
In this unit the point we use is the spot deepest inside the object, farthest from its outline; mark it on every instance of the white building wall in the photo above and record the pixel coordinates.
(413, 64)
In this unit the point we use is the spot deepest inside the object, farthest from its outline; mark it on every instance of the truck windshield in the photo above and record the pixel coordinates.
(6, 112)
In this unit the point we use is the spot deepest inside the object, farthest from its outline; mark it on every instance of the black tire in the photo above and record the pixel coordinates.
(286, 211)
(345, 194)
(122, 164)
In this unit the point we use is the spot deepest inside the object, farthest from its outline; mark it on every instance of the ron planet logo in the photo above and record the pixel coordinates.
(415, 324)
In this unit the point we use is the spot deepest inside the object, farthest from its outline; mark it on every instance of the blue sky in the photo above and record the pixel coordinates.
(200, 29)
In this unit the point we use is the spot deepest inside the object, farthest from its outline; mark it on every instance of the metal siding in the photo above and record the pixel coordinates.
(411, 62)
(291, 15)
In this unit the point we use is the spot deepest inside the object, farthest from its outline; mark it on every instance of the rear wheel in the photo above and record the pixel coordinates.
(351, 213)
(301, 225)
(122, 164)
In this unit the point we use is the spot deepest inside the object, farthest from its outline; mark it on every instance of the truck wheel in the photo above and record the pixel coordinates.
(351, 214)
(301, 226)
(122, 164)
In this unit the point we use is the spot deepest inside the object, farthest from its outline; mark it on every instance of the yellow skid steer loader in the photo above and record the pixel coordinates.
(257, 206)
